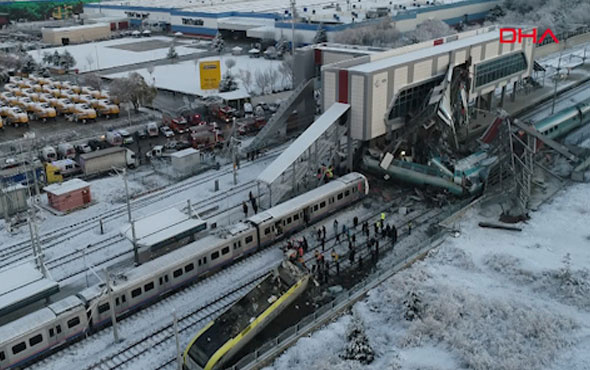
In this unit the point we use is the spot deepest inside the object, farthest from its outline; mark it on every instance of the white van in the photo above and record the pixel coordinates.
(114, 138)
(48, 154)
(152, 129)
(66, 150)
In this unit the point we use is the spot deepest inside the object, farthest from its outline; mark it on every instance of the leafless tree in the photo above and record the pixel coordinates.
(286, 72)
(246, 77)
(230, 63)
(133, 89)
(93, 80)
(89, 60)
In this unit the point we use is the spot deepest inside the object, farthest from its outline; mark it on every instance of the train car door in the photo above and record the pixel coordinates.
(306, 216)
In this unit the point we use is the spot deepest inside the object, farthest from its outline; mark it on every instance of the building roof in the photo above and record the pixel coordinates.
(184, 153)
(302, 143)
(234, 95)
(22, 285)
(66, 187)
(76, 28)
(162, 226)
(380, 64)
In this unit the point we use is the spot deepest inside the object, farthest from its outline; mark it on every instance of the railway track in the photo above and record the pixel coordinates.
(62, 234)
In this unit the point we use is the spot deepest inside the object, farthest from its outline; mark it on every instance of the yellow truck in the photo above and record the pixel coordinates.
(106, 108)
(16, 117)
(63, 106)
(83, 113)
(43, 112)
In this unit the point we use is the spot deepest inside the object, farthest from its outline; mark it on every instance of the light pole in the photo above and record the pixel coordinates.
(131, 222)
(555, 84)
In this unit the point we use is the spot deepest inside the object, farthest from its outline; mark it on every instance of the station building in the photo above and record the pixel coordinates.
(267, 19)
(388, 89)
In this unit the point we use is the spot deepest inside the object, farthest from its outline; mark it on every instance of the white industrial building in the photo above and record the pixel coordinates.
(386, 90)
(266, 19)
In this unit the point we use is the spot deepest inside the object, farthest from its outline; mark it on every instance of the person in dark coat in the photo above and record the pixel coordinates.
(305, 245)
(254, 205)
(245, 209)
(355, 221)
(351, 256)
(394, 234)
(324, 231)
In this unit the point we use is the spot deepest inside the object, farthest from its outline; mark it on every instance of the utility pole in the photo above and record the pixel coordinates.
(134, 239)
(233, 150)
(293, 32)
(555, 84)
(178, 358)
(112, 305)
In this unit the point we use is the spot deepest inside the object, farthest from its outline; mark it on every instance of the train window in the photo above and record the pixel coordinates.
(289, 219)
(347, 193)
(35, 340)
(19, 348)
(339, 196)
(135, 292)
(104, 307)
(315, 208)
(58, 329)
(331, 200)
(123, 299)
(117, 301)
(148, 287)
(267, 231)
(51, 332)
(161, 280)
(249, 239)
(296, 217)
(189, 267)
(177, 273)
(323, 204)
(204, 260)
(2, 356)
(225, 250)
(200, 262)
(72, 322)
(354, 190)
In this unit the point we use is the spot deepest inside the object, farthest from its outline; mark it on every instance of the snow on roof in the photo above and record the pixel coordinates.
(66, 187)
(163, 263)
(234, 95)
(102, 152)
(184, 153)
(310, 197)
(237, 48)
(381, 64)
(76, 28)
(22, 283)
(24, 325)
(300, 145)
(161, 226)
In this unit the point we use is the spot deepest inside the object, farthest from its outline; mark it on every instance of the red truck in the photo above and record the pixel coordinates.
(205, 137)
(223, 112)
(251, 124)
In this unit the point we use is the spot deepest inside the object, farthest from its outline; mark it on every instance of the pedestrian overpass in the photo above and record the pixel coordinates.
(296, 169)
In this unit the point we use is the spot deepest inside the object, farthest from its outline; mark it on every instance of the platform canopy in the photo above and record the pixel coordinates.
(161, 227)
(303, 142)
(23, 285)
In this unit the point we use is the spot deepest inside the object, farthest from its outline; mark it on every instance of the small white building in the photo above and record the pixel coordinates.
(186, 162)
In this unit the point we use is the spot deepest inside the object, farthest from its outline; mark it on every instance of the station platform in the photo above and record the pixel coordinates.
(23, 285)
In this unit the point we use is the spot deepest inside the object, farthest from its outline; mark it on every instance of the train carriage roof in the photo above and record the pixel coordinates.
(310, 197)
(26, 324)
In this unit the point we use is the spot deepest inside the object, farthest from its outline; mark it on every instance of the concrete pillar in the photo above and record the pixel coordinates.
(513, 96)
(501, 105)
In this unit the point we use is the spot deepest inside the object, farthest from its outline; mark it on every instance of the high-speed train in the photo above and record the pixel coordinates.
(565, 120)
(27, 338)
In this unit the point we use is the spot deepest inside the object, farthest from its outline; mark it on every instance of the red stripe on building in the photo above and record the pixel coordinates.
(343, 86)
(317, 57)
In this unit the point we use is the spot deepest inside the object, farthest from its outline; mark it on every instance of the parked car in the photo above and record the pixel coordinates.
(126, 136)
(166, 131)
(97, 144)
(83, 148)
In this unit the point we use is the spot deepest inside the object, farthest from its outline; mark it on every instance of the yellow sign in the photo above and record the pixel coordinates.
(210, 72)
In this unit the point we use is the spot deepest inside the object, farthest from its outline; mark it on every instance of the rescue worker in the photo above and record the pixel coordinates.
(254, 206)
(351, 255)
(336, 228)
(393, 234)
(324, 231)
(336, 262)
(382, 217)
(245, 209)
(376, 227)
(355, 222)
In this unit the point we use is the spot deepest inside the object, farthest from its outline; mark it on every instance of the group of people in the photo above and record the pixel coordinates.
(342, 233)
(252, 202)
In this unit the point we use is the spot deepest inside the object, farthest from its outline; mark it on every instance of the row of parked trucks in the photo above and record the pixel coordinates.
(43, 99)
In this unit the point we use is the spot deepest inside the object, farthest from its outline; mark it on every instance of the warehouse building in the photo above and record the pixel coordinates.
(264, 19)
(76, 34)
(389, 89)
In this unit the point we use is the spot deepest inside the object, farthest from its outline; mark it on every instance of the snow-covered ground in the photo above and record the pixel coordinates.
(489, 299)
(112, 53)
(185, 77)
